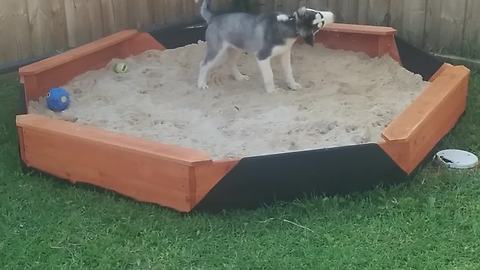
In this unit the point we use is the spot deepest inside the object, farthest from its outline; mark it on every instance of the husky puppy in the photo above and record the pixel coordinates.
(266, 35)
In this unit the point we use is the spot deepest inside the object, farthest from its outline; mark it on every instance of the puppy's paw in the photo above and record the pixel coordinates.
(241, 77)
(202, 86)
(294, 86)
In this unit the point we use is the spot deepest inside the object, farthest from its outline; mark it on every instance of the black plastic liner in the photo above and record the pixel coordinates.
(262, 180)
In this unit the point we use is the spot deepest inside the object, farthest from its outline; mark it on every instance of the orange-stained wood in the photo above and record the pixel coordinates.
(139, 44)
(60, 69)
(77, 53)
(414, 133)
(127, 143)
(439, 71)
(145, 171)
(360, 29)
(375, 41)
(207, 176)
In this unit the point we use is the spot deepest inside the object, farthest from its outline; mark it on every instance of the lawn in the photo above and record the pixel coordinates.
(430, 222)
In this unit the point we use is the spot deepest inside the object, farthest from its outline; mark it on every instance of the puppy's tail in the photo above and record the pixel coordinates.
(205, 10)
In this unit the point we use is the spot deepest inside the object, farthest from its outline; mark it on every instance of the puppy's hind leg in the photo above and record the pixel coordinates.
(286, 63)
(267, 73)
(212, 59)
(233, 56)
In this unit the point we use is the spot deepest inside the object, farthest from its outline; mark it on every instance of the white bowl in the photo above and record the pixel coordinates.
(457, 159)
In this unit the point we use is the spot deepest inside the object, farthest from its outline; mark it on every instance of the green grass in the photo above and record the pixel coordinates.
(431, 222)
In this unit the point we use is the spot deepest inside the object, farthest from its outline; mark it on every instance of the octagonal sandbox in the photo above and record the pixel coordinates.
(186, 179)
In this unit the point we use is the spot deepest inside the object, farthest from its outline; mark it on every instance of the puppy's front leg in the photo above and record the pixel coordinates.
(286, 62)
(267, 74)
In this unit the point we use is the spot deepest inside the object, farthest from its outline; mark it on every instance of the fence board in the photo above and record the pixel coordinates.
(34, 27)
(363, 7)
(445, 24)
(347, 11)
(141, 13)
(432, 24)
(159, 11)
(15, 30)
(409, 18)
(108, 15)
(170, 10)
(318, 4)
(47, 26)
(471, 40)
(120, 9)
(190, 10)
(378, 12)
(397, 14)
(413, 26)
(84, 21)
(452, 31)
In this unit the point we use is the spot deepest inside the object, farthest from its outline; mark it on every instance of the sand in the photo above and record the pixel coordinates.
(347, 98)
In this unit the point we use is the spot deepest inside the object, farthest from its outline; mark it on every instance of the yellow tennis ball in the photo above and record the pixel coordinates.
(121, 68)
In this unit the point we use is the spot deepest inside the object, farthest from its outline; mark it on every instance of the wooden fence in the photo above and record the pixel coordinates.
(35, 27)
(437, 25)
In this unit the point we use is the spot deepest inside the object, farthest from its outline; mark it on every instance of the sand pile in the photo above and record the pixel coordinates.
(347, 98)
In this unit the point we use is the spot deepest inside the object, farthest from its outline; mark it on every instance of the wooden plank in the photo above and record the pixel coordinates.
(179, 10)
(318, 4)
(433, 24)
(347, 11)
(471, 40)
(190, 11)
(167, 152)
(374, 41)
(159, 12)
(57, 24)
(47, 25)
(397, 15)
(108, 17)
(378, 12)
(141, 13)
(445, 25)
(15, 31)
(120, 9)
(94, 9)
(363, 7)
(169, 11)
(136, 168)
(58, 70)
(413, 134)
(453, 14)
(332, 5)
(84, 21)
(413, 24)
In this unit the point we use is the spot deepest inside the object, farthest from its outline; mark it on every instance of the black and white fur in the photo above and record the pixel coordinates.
(266, 35)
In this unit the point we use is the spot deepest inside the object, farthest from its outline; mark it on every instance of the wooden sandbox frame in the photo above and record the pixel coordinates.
(180, 178)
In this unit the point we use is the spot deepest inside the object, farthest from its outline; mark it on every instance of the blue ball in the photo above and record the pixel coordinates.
(58, 99)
